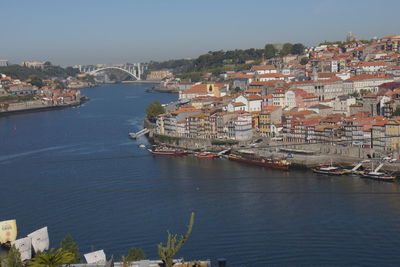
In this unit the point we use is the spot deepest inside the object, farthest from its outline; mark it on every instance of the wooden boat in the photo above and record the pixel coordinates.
(375, 174)
(330, 170)
(167, 151)
(253, 159)
(379, 176)
(205, 155)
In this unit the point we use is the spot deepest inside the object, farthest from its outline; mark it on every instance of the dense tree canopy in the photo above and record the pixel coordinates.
(270, 51)
(304, 60)
(286, 49)
(297, 49)
(221, 61)
(49, 71)
(36, 81)
(153, 110)
(396, 112)
(211, 60)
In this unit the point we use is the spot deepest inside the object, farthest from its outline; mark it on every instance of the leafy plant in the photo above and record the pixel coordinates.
(52, 258)
(153, 110)
(303, 60)
(134, 254)
(174, 244)
(68, 244)
(13, 258)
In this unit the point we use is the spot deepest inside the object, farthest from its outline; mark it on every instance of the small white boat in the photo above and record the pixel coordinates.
(142, 146)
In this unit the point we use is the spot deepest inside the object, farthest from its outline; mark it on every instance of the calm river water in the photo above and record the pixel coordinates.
(76, 171)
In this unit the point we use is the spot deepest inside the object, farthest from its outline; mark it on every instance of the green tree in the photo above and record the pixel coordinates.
(68, 244)
(174, 244)
(297, 49)
(364, 92)
(270, 51)
(286, 49)
(13, 258)
(52, 258)
(304, 60)
(70, 71)
(134, 254)
(36, 81)
(396, 112)
(153, 110)
(355, 94)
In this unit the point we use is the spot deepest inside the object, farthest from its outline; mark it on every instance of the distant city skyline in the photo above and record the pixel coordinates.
(91, 32)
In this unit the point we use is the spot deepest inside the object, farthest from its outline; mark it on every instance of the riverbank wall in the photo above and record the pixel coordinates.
(198, 144)
(316, 155)
(38, 106)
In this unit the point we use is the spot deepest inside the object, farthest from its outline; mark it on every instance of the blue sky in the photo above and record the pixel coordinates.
(117, 31)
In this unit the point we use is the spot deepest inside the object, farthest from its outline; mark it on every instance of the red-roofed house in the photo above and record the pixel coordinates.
(203, 89)
(251, 103)
(366, 82)
(372, 67)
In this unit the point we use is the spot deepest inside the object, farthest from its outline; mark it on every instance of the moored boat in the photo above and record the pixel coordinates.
(375, 174)
(205, 155)
(330, 170)
(168, 151)
(380, 176)
(253, 159)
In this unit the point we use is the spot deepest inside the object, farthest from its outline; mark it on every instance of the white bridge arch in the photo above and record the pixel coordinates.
(116, 68)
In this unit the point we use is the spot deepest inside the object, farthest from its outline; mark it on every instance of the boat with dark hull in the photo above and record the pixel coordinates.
(253, 159)
(167, 151)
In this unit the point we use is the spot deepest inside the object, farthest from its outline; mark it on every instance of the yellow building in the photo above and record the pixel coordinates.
(264, 122)
(392, 134)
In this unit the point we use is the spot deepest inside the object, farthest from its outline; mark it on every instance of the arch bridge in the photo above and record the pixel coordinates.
(134, 70)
